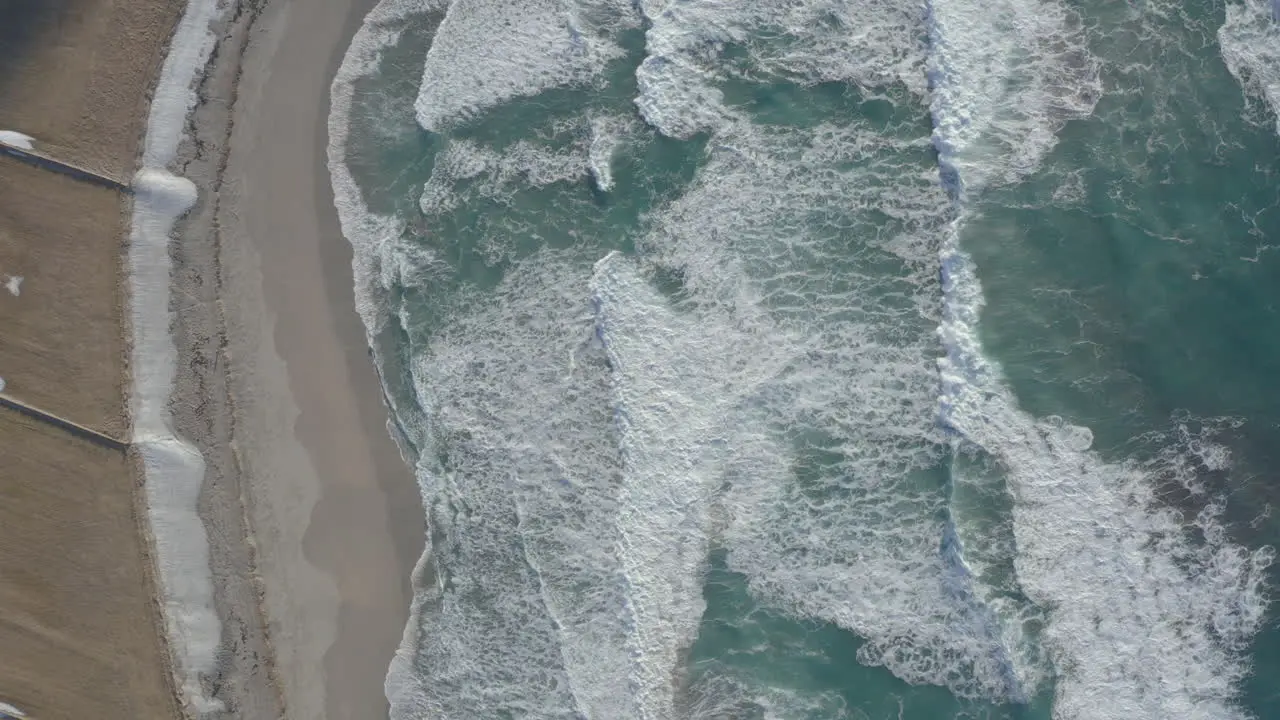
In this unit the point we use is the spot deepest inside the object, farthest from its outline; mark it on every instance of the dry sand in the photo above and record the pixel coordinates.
(78, 623)
(276, 387)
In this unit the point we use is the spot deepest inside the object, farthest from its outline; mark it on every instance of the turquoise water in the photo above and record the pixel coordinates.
(826, 359)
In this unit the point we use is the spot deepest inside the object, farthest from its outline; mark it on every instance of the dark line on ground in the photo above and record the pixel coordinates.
(40, 160)
(68, 426)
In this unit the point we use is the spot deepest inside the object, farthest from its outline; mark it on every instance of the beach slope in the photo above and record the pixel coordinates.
(313, 517)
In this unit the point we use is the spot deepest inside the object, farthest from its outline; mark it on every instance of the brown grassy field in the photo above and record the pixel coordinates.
(79, 634)
(75, 74)
(61, 341)
(77, 625)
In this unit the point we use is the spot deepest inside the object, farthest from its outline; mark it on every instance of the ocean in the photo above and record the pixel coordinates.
(825, 359)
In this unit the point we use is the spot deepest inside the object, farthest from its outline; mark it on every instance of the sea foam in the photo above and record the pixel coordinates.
(1250, 41)
(592, 431)
(485, 54)
(1142, 620)
(493, 174)
(672, 403)
(1005, 76)
(808, 258)
(371, 236)
(871, 44)
(531, 600)
(608, 133)
(839, 421)
(519, 595)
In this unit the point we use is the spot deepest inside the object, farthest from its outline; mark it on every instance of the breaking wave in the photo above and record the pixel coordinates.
(1250, 40)
(611, 372)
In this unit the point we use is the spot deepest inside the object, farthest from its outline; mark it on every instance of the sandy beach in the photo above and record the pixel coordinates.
(312, 518)
(278, 390)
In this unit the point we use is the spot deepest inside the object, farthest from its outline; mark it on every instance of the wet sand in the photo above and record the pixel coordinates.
(278, 390)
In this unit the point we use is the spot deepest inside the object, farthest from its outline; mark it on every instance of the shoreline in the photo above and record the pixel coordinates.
(313, 516)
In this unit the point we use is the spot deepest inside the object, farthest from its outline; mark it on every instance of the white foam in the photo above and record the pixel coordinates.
(371, 236)
(1142, 621)
(556, 597)
(531, 616)
(872, 44)
(173, 468)
(13, 283)
(1005, 76)
(671, 397)
(1250, 41)
(17, 139)
(677, 78)
(11, 711)
(718, 696)
(486, 52)
(743, 239)
(676, 100)
(805, 337)
(497, 174)
(608, 132)
(806, 254)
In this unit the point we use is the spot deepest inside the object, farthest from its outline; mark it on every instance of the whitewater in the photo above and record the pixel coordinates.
(676, 309)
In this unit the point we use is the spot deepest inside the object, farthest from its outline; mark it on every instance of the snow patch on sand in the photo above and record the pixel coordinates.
(173, 468)
(18, 140)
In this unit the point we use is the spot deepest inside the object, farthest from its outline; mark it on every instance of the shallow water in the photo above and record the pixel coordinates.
(826, 359)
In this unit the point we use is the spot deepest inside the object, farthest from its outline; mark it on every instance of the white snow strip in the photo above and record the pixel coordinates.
(173, 468)
(18, 140)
